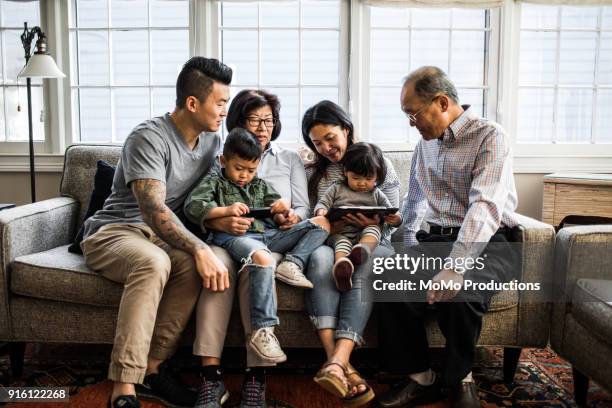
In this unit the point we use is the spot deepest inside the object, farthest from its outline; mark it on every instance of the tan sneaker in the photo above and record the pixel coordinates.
(265, 344)
(292, 274)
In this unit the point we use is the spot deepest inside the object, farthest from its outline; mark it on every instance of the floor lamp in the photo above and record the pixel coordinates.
(39, 65)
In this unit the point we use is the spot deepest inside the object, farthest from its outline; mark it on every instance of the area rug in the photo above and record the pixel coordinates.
(542, 380)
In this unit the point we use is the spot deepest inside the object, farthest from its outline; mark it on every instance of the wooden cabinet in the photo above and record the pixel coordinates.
(576, 194)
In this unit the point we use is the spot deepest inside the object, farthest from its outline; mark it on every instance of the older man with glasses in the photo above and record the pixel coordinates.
(461, 182)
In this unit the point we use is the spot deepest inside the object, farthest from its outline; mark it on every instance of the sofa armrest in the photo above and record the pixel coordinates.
(28, 229)
(538, 243)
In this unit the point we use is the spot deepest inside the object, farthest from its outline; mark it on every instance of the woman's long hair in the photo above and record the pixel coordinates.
(323, 113)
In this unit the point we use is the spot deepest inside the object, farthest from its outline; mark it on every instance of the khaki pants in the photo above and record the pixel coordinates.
(161, 287)
(214, 310)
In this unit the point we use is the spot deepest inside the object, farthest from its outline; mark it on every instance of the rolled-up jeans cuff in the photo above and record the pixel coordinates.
(324, 322)
(126, 375)
(351, 335)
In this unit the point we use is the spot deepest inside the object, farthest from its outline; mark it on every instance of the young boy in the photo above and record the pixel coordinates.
(233, 193)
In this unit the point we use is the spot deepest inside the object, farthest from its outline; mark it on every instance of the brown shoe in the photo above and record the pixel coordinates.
(466, 396)
(343, 274)
(359, 254)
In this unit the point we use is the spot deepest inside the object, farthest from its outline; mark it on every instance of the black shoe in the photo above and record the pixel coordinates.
(466, 396)
(166, 388)
(124, 401)
(410, 394)
(253, 393)
(211, 394)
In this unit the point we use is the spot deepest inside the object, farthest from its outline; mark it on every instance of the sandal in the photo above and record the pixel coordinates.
(331, 382)
(360, 398)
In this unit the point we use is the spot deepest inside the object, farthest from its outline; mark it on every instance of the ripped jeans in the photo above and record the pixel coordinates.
(298, 243)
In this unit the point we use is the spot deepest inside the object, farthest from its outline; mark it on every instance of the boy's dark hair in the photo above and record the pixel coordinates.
(365, 159)
(197, 77)
(249, 100)
(242, 143)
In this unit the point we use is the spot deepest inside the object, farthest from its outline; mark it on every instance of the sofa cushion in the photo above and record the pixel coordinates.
(592, 306)
(60, 275)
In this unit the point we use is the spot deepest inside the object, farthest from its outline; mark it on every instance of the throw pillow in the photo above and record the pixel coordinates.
(103, 181)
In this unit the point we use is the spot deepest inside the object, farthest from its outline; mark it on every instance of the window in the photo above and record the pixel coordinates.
(126, 55)
(13, 94)
(290, 48)
(403, 39)
(565, 75)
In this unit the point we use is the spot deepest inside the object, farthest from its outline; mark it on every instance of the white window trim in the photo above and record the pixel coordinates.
(528, 158)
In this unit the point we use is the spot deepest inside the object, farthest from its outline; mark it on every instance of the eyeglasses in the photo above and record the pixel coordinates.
(256, 122)
(412, 117)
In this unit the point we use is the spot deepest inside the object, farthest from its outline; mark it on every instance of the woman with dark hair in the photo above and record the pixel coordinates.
(258, 112)
(340, 317)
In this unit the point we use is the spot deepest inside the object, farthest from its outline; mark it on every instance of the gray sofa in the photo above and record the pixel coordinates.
(581, 329)
(48, 294)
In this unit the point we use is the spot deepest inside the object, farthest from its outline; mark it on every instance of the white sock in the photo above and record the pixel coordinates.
(424, 378)
(468, 378)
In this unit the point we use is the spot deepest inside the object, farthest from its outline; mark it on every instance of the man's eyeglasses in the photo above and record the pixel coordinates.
(256, 122)
(412, 117)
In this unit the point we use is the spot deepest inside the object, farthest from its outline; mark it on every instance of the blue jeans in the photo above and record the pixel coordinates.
(298, 243)
(329, 308)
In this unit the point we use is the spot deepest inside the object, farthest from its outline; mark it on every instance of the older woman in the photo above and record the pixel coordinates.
(339, 317)
(257, 111)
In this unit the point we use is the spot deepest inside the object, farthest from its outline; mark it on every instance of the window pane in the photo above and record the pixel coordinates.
(537, 58)
(607, 17)
(390, 56)
(538, 16)
(389, 17)
(279, 57)
(474, 98)
(169, 13)
(387, 122)
(289, 113)
(92, 13)
(577, 58)
(2, 122)
(312, 96)
(429, 48)
(239, 14)
(605, 59)
(279, 13)
(535, 115)
(130, 58)
(14, 13)
(95, 115)
(468, 55)
(428, 18)
(603, 123)
(579, 17)
(131, 108)
(170, 51)
(18, 120)
(320, 57)
(240, 52)
(93, 58)
(321, 13)
(164, 100)
(468, 18)
(129, 13)
(574, 114)
(14, 59)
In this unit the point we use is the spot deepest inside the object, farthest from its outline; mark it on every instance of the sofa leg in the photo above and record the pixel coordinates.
(16, 355)
(511, 358)
(581, 387)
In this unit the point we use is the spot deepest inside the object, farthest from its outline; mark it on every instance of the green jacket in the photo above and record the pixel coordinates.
(215, 190)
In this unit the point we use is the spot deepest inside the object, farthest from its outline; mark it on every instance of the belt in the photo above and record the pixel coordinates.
(438, 230)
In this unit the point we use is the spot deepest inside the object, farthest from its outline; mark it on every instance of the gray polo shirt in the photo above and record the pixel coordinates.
(155, 150)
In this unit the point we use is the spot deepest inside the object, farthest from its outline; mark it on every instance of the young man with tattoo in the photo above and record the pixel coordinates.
(137, 239)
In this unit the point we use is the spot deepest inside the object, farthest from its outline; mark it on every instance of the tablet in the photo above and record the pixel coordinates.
(335, 213)
(259, 213)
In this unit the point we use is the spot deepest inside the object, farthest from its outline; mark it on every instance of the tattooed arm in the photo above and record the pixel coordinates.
(151, 196)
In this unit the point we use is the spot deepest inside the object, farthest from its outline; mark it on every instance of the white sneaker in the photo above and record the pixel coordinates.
(265, 344)
(292, 274)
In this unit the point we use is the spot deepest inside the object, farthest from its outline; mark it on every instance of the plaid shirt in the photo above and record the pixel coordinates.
(464, 179)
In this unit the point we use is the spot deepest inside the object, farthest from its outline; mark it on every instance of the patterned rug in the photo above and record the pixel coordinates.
(543, 379)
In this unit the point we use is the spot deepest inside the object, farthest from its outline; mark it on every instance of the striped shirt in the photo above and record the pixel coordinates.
(464, 179)
(390, 187)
